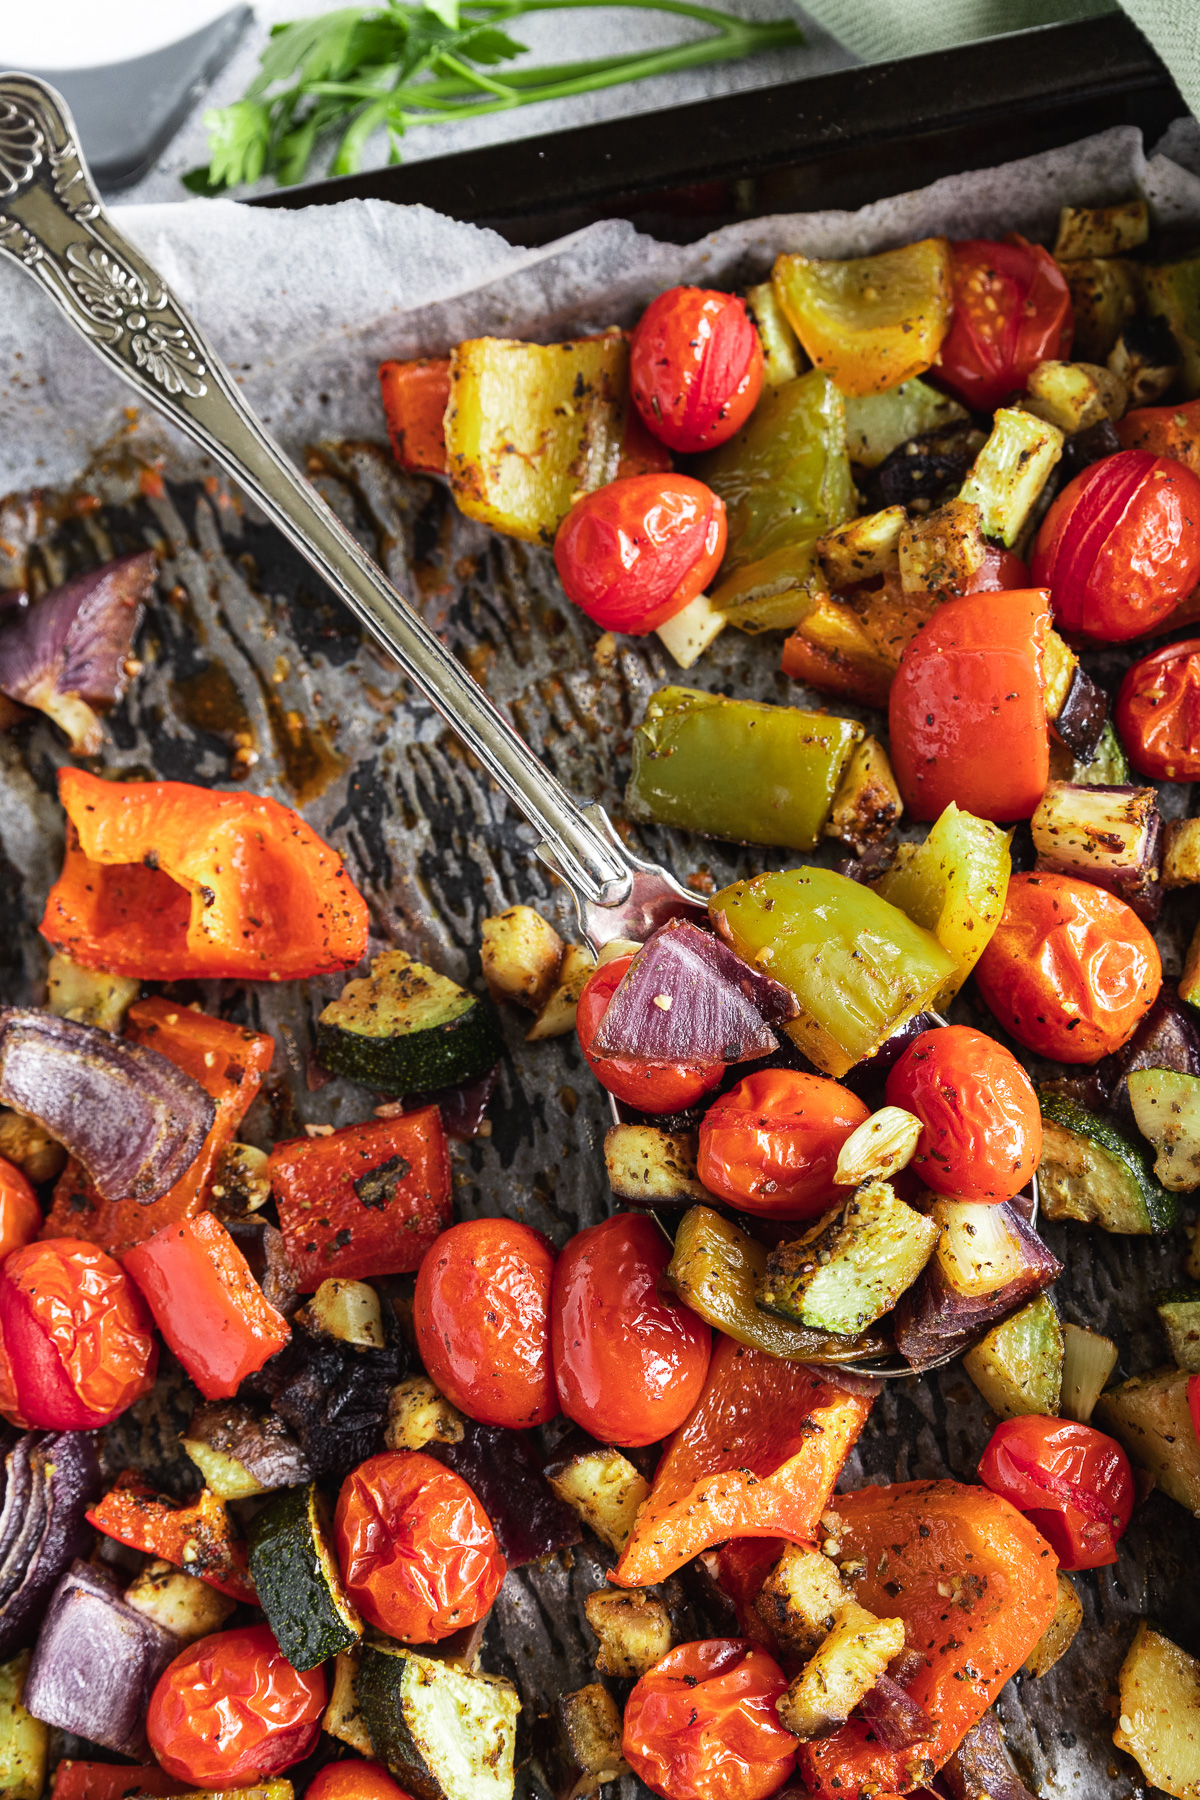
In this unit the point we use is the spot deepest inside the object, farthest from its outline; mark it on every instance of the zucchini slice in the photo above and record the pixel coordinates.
(854, 1264)
(1091, 1173)
(296, 1575)
(444, 1735)
(24, 1740)
(1166, 1106)
(1018, 1366)
(405, 1029)
(1148, 1415)
(1179, 1311)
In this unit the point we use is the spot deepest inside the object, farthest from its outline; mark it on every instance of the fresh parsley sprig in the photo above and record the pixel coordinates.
(368, 68)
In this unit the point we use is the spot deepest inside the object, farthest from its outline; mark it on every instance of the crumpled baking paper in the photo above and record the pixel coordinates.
(303, 305)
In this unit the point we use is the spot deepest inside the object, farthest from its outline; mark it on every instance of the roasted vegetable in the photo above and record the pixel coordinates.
(717, 1269)
(1088, 1361)
(953, 884)
(858, 967)
(1101, 230)
(981, 1247)
(601, 1485)
(1111, 836)
(1149, 1416)
(88, 996)
(878, 1147)
(507, 1475)
(50, 1479)
(558, 1014)
(783, 358)
(800, 1599)
(1077, 710)
(198, 1537)
(418, 1415)
(577, 1746)
(863, 547)
(928, 470)
(938, 1317)
(1059, 1635)
(521, 954)
(29, 1147)
(867, 803)
(852, 1267)
(650, 1167)
(1074, 396)
(1147, 358)
(849, 1662)
(349, 1311)
(1159, 1699)
(877, 424)
(530, 426)
(333, 1395)
(1166, 1106)
(737, 769)
(240, 1184)
(297, 1580)
(178, 1602)
(343, 1718)
(240, 1454)
(24, 1740)
(405, 1029)
(443, 1734)
(1091, 1173)
(941, 552)
(873, 321)
(1104, 297)
(1018, 1366)
(1172, 292)
(1010, 472)
(833, 650)
(1181, 854)
(1179, 1312)
(981, 1768)
(692, 630)
(634, 1631)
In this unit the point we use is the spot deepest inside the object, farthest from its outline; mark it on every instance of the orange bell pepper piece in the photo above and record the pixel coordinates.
(758, 1457)
(976, 1586)
(368, 1200)
(415, 398)
(229, 1062)
(163, 881)
(1164, 431)
(198, 1537)
(207, 1304)
(113, 1781)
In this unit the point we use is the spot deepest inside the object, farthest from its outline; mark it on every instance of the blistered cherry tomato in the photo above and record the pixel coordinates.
(20, 1214)
(1120, 547)
(1158, 712)
(702, 1725)
(416, 1549)
(77, 1342)
(1073, 1483)
(634, 553)
(231, 1711)
(1070, 969)
(771, 1144)
(651, 1087)
(1012, 310)
(482, 1319)
(967, 710)
(354, 1779)
(695, 367)
(981, 1135)
(629, 1359)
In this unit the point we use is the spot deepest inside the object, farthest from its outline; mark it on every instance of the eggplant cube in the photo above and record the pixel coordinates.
(1059, 1634)
(178, 1602)
(848, 1664)
(650, 1167)
(1010, 472)
(633, 1628)
(604, 1488)
(800, 1598)
(521, 955)
(941, 552)
(419, 1414)
(580, 1747)
(557, 1016)
(1148, 1415)
(1179, 1313)
(1101, 230)
(1111, 836)
(854, 1264)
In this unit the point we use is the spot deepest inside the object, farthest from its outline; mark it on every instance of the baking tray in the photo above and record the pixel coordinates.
(254, 673)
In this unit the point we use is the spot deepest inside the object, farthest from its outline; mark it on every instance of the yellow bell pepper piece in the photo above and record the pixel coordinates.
(872, 321)
(954, 884)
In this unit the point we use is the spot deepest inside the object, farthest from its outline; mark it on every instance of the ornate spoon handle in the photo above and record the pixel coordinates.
(53, 223)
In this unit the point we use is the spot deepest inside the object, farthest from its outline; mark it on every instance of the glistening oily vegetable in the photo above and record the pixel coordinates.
(922, 466)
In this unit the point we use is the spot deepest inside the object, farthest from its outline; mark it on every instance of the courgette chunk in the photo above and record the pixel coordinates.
(1018, 1365)
(405, 1029)
(444, 1735)
(853, 1266)
(1059, 1634)
(1166, 1106)
(1091, 1173)
(848, 1664)
(1179, 1312)
(24, 1740)
(296, 1575)
(1160, 1703)
(1148, 1415)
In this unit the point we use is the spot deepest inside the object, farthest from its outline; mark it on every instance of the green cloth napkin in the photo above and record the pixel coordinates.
(880, 30)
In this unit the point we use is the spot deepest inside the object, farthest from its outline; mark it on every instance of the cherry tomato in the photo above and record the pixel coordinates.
(1193, 1400)
(651, 1087)
(1120, 547)
(231, 1711)
(1158, 712)
(354, 1779)
(417, 1551)
(634, 553)
(1012, 310)
(967, 710)
(629, 1359)
(701, 1724)
(20, 1214)
(77, 1343)
(771, 1144)
(1070, 969)
(1073, 1483)
(1000, 572)
(982, 1126)
(695, 367)
(482, 1319)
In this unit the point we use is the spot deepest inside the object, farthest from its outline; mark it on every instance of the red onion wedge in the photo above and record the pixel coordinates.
(134, 1120)
(96, 1663)
(688, 998)
(981, 1768)
(69, 652)
(897, 1720)
(933, 1320)
(64, 1480)
(505, 1471)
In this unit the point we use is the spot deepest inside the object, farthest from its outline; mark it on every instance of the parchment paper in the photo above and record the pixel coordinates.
(246, 657)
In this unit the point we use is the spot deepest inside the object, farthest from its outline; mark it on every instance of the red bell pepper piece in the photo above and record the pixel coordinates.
(197, 1537)
(369, 1200)
(976, 1586)
(207, 1304)
(758, 1457)
(113, 1781)
(230, 1063)
(164, 881)
(415, 398)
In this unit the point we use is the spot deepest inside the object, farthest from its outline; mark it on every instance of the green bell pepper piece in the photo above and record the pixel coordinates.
(858, 968)
(736, 769)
